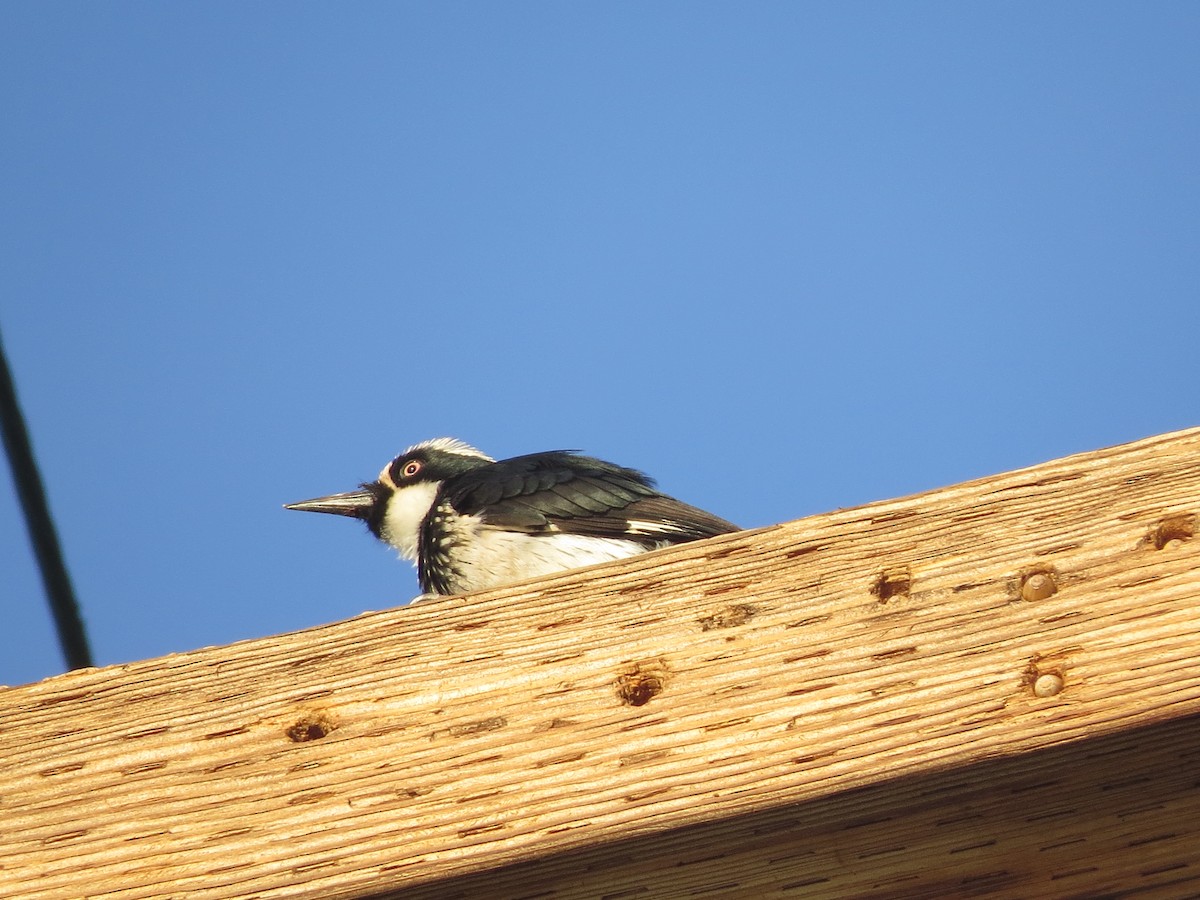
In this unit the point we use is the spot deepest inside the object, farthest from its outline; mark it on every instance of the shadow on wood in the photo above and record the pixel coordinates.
(1050, 823)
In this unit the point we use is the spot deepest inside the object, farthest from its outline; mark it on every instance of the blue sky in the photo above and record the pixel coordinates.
(785, 257)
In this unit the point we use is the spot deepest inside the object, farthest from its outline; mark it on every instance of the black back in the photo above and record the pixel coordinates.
(560, 491)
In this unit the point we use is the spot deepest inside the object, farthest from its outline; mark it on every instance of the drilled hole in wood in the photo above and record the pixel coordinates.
(1044, 677)
(639, 687)
(1038, 584)
(310, 728)
(1173, 531)
(1047, 684)
(892, 583)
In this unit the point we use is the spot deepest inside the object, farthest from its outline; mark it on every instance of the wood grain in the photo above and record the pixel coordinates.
(987, 690)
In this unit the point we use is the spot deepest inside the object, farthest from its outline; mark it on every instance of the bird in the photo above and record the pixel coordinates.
(469, 522)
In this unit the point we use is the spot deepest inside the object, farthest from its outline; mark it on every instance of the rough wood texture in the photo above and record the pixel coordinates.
(988, 690)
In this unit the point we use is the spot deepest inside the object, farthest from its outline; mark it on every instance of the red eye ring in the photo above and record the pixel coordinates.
(411, 468)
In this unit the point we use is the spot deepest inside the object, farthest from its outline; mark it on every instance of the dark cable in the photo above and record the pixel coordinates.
(42, 534)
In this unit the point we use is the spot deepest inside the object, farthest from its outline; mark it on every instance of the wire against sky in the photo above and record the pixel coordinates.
(42, 534)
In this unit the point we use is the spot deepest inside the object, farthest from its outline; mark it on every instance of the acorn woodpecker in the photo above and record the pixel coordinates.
(469, 522)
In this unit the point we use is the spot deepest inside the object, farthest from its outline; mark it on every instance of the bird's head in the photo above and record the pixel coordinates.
(394, 505)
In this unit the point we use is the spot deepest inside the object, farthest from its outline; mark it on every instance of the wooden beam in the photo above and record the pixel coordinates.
(987, 690)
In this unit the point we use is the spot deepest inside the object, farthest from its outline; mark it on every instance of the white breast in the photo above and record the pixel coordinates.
(490, 556)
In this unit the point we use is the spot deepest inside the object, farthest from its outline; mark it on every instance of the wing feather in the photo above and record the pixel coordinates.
(562, 492)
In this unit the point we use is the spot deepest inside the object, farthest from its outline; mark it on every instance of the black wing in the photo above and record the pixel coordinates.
(560, 491)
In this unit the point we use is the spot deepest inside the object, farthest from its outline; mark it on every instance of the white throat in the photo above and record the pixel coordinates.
(406, 509)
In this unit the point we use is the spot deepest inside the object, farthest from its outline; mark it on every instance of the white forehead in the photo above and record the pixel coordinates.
(449, 445)
(445, 444)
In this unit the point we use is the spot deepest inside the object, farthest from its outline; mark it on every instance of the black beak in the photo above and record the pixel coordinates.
(352, 503)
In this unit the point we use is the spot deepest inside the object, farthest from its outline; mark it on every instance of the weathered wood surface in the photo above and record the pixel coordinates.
(988, 690)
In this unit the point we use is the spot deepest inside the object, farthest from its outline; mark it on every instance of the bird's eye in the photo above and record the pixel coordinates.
(411, 468)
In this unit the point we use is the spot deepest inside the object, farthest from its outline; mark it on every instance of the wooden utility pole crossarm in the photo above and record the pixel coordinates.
(987, 690)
